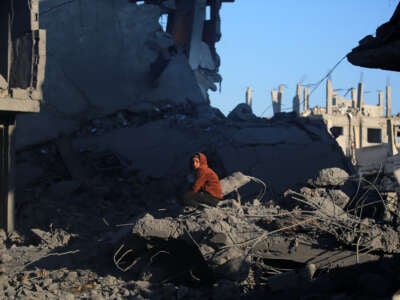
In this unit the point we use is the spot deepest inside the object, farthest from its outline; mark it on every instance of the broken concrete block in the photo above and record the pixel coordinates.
(339, 197)
(148, 227)
(331, 177)
(219, 239)
(53, 239)
(3, 83)
(233, 182)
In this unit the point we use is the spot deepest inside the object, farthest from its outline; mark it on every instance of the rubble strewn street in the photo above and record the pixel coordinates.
(94, 222)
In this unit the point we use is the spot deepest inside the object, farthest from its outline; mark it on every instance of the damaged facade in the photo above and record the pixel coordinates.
(104, 56)
(22, 68)
(368, 134)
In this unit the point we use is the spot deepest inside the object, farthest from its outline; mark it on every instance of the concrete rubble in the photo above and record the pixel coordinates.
(99, 218)
(99, 181)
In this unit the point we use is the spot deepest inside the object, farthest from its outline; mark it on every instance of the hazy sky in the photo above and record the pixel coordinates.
(266, 43)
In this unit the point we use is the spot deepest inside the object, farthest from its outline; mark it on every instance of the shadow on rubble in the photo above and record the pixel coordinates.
(371, 280)
(74, 213)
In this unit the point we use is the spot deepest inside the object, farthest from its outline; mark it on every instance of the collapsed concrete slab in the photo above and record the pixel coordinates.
(281, 154)
(105, 56)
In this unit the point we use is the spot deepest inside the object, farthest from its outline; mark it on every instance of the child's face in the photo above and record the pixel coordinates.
(196, 162)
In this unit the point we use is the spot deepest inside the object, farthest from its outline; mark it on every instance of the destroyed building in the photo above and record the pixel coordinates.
(22, 69)
(104, 56)
(100, 171)
(368, 134)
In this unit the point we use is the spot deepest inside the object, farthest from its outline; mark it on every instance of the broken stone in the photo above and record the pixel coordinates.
(339, 197)
(331, 177)
(219, 239)
(233, 182)
(54, 239)
(148, 226)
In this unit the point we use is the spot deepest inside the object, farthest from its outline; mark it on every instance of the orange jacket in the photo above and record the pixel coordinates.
(206, 179)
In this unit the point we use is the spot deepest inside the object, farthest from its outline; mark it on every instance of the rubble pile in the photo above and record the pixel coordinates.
(287, 252)
(99, 216)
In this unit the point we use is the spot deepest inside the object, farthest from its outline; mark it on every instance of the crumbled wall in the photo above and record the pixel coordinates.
(107, 55)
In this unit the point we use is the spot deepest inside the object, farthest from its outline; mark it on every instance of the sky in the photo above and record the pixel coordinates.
(265, 43)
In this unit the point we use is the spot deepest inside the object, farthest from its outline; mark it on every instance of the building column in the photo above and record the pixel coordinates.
(388, 101)
(306, 97)
(275, 102)
(362, 134)
(380, 103)
(280, 96)
(297, 99)
(391, 137)
(249, 98)
(7, 168)
(360, 95)
(354, 97)
(329, 96)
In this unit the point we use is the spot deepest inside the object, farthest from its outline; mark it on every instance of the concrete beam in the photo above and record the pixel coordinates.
(275, 102)
(7, 163)
(388, 101)
(360, 95)
(329, 96)
(297, 99)
(380, 103)
(16, 105)
(249, 98)
(354, 97)
(391, 137)
(306, 99)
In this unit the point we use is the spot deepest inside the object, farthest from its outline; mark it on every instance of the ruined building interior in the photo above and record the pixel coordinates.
(102, 104)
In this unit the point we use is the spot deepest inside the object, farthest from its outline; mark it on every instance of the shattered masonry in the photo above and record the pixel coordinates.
(98, 211)
(130, 59)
